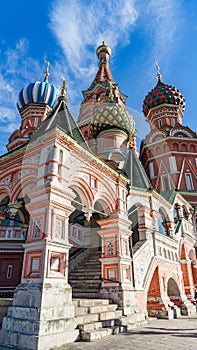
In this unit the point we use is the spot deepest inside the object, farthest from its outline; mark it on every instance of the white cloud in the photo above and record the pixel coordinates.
(80, 25)
(162, 22)
(165, 21)
(16, 69)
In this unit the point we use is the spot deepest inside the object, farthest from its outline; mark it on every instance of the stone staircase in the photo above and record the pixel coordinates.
(4, 305)
(96, 318)
(85, 278)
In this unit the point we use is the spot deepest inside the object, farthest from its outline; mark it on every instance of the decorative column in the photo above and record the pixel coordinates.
(117, 263)
(42, 312)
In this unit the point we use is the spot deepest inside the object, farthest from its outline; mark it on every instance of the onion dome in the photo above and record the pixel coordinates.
(110, 117)
(163, 94)
(38, 92)
(103, 48)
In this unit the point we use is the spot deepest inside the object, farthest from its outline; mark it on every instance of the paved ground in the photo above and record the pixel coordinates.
(177, 334)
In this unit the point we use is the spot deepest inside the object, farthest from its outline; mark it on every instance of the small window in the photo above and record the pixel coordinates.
(60, 163)
(165, 183)
(9, 271)
(151, 170)
(173, 166)
(36, 122)
(115, 142)
(189, 182)
(172, 121)
(160, 123)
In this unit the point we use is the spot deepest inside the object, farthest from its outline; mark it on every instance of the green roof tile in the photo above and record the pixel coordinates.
(62, 118)
(134, 170)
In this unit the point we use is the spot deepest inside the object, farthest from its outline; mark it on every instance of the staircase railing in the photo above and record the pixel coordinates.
(76, 253)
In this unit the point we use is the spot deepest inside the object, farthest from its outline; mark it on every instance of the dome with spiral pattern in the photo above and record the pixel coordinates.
(163, 94)
(38, 92)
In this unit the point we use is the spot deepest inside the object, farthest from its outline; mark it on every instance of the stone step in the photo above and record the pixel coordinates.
(90, 262)
(95, 334)
(102, 308)
(100, 324)
(90, 285)
(85, 327)
(107, 315)
(81, 272)
(85, 292)
(90, 302)
(82, 277)
(86, 272)
(81, 310)
(98, 334)
(86, 269)
(6, 301)
(85, 295)
(85, 280)
(88, 318)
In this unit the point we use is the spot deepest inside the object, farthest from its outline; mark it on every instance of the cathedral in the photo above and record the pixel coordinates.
(95, 236)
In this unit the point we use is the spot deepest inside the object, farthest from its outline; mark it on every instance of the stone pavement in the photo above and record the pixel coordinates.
(176, 334)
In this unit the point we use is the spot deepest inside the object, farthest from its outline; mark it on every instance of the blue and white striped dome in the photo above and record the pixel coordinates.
(37, 93)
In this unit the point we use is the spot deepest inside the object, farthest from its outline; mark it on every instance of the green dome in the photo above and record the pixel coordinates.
(110, 117)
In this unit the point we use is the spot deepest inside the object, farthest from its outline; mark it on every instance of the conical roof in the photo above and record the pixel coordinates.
(135, 172)
(62, 118)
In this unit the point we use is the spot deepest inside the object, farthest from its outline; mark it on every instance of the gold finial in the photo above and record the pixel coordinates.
(46, 74)
(63, 89)
(131, 140)
(159, 76)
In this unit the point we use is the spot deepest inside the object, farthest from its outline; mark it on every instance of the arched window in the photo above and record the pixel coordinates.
(175, 147)
(133, 216)
(161, 221)
(175, 215)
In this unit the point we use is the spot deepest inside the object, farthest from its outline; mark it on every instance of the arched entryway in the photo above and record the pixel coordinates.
(84, 257)
(188, 263)
(193, 264)
(154, 295)
(14, 222)
(173, 292)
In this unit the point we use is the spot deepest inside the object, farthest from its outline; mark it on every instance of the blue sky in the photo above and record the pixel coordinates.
(67, 33)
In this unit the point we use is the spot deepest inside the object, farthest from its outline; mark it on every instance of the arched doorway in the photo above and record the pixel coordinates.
(193, 264)
(173, 292)
(14, 222)
(154, 295)
(85, 254)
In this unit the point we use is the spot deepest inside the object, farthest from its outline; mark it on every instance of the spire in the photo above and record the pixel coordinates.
(62, 118)
(159, 76)
(103, 53)
(46, 74)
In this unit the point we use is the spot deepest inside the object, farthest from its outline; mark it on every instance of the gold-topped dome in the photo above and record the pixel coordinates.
(103, 48)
